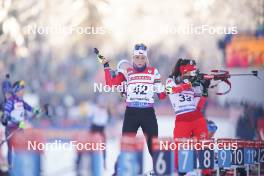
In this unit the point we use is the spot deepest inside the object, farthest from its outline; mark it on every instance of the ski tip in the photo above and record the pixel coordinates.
(96, 51)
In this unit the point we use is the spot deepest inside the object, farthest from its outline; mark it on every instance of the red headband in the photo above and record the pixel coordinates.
(187, 68)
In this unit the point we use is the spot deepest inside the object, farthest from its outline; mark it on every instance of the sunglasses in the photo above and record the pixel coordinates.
(188, 62)
(140, 47)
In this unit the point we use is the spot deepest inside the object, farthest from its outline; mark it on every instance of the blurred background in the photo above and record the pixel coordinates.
(49, 44)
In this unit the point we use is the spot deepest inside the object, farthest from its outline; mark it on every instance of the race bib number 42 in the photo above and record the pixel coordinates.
(140, 93)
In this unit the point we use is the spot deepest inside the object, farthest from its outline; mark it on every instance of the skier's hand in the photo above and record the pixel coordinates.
(22, 125)
(103, 60)
(4, 119)
(205, 93)
(205, 83)
(200, 76)
(168, 90)
(194, 81)
(36, 112)
(186, 81)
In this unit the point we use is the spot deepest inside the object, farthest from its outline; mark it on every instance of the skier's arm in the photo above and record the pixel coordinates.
(110, 80)
(201, 103)
(181, 87)
(158, 85)
(36, 111)
(27, 107)
(6, 114)
(8, 108)
(172, 88)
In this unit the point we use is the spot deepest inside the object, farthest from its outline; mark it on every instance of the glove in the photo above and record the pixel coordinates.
(106, 64)
(195, 82)
(168, 90)
(4, 119)
(205, 93)
(101, 59)
(22, 125)
(200, 76)
(185, 81)
(205, 84)
(36, 112)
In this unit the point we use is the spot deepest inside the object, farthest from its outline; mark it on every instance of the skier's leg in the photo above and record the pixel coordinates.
(182, 129)
(200, 129)
(131, 121)
(9, 148)
(201, 132)
(131, 124)
(149, 126)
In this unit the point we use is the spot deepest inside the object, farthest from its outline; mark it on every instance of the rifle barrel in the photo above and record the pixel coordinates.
(241, 74)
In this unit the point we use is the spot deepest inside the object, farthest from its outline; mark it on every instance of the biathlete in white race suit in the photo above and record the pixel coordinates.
(143, 81)
(187, 96)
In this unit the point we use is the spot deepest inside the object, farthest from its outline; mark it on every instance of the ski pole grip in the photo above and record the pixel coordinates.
(99, 57)
(96, 51)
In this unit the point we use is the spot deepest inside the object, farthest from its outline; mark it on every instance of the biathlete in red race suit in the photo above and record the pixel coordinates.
(187, 97)
(143, 82)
